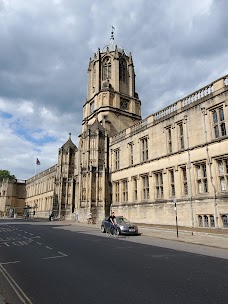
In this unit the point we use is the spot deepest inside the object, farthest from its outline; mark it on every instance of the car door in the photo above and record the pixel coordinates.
(106, 223)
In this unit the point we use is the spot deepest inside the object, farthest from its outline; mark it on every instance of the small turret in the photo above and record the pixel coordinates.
(69, 144)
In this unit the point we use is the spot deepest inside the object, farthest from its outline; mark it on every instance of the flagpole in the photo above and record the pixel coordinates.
(35, 165)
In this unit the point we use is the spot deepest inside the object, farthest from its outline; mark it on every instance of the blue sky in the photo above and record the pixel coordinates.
(177, 47)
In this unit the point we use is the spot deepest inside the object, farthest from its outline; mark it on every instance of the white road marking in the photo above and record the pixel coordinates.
(62, 255)
(21, 243)
(15, 241)
(38, 243)
(31, 238)
(6, 263)
(48, 247)
(9, 239)
(20, 293)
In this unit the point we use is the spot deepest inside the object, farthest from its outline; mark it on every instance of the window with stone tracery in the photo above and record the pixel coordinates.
(181, 136)
(117, 191)
(94, 77)
(123, 70)
(144, 149)
(219, 122)
(131, 154)
(83, 194)
(223, 174)
(145, 187)
(106, 68)
(172, 183)
(184, 181)
(84, 188)
(116, 159)
(169, 137)
(201, 178)
(158, 185)
(125, 190)
(135, 188)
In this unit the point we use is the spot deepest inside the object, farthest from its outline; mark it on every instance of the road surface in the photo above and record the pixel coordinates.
(45, 263)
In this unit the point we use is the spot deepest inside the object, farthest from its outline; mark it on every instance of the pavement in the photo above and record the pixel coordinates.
(211, 237)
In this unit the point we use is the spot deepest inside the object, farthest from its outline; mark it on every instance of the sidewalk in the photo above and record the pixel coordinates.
(217, 238)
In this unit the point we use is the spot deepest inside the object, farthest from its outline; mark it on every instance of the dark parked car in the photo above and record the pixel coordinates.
(124, 226)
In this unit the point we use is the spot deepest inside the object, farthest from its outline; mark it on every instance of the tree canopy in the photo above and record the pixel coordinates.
(4, 174)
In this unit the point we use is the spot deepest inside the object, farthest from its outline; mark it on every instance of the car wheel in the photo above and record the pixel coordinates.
(102, 229)
(119, 231)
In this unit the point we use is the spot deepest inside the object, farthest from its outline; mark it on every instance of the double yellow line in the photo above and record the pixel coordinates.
(19, 292)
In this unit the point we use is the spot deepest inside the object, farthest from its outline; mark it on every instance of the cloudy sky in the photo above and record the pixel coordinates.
(177, 46)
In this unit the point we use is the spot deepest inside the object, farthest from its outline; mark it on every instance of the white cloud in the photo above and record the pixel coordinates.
(45, 49)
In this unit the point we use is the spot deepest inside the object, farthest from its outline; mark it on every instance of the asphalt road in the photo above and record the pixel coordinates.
(45, 263)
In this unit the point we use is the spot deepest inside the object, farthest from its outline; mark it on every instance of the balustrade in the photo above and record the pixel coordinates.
(201, 93)
(165, 111)
(139, 126)
(197, 95)
(119, 136)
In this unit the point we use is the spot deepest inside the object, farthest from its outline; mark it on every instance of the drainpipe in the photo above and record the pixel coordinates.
(189, 173)
(210, 171)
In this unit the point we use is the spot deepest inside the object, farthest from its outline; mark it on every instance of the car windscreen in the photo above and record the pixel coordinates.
(121, 220)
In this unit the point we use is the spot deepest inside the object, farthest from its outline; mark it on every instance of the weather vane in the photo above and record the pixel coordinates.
(111, 44)
(112, 33)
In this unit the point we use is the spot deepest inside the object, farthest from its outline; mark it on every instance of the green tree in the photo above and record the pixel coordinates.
(4, 174)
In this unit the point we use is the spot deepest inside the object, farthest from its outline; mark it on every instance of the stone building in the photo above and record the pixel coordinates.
(141, 169)
(40, 191)
(12, 196)
(176, 156)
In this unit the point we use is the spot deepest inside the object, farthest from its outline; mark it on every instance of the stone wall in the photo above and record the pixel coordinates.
(179, 153)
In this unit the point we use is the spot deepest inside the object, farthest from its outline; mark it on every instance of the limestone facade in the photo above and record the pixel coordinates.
(12, 196)
(40, 192)
(173, 162)
(178, 155)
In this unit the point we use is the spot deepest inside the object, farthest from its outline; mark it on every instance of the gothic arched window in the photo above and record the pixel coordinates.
(94, 75)
(106, 68)
(123, 70)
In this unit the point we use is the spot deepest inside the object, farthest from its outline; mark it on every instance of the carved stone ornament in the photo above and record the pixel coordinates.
(123, 104)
